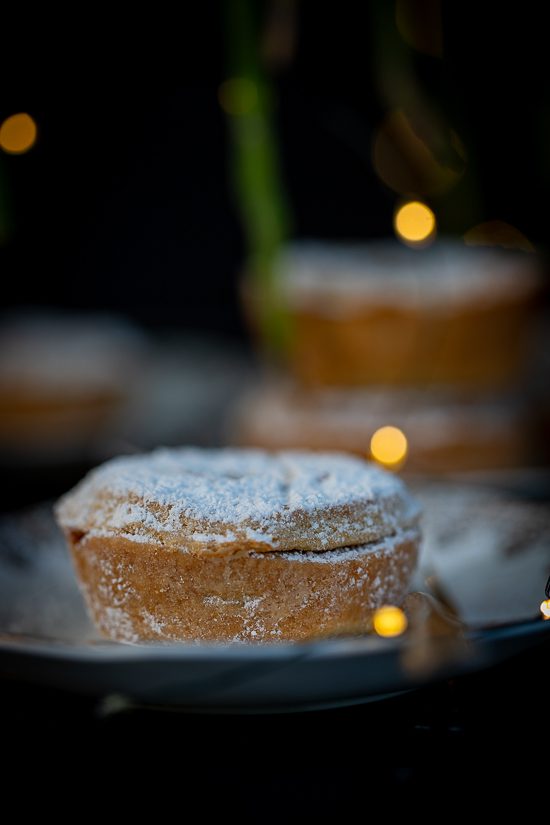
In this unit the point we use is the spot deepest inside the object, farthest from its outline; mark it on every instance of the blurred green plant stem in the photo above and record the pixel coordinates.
(247, 98)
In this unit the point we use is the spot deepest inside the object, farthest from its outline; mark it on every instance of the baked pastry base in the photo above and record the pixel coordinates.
(445, 434)
(139, 591)
(475, 346)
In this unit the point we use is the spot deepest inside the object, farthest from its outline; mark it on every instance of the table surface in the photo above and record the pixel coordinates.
(455, 738)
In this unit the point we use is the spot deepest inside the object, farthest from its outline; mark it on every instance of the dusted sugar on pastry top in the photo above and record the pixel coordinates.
(239, 545)
(446, 432)
(64, 379)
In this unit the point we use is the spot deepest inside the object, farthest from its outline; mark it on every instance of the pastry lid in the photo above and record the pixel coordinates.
(227, 501)
(448, 272)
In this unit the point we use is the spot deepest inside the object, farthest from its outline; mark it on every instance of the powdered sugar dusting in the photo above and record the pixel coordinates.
(214, 497)
(74, 355)
(116, 623)
(333, 277)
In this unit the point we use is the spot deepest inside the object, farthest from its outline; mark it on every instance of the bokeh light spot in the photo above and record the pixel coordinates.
(389, 621)
(415, 224)
(18, 134)
(238, 95)
(389, 446)
(545, 608)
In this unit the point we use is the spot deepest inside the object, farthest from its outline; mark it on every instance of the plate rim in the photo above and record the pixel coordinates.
(321, 649)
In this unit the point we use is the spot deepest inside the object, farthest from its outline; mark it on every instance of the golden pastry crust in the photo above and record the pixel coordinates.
(467, 346)
(44, 424)
(381, 314)
(139, 591)
(230, 501)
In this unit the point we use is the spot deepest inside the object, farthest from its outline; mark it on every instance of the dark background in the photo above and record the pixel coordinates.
(125, 204)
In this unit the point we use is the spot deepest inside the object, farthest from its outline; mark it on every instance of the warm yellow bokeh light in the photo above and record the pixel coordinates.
(389, 621)
(238, 95)
(18, 134)
(389, 446)
(414, 223)
(545, 608)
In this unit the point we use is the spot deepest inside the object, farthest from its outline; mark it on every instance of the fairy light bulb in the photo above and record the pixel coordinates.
(389, 621)
(389, 447)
